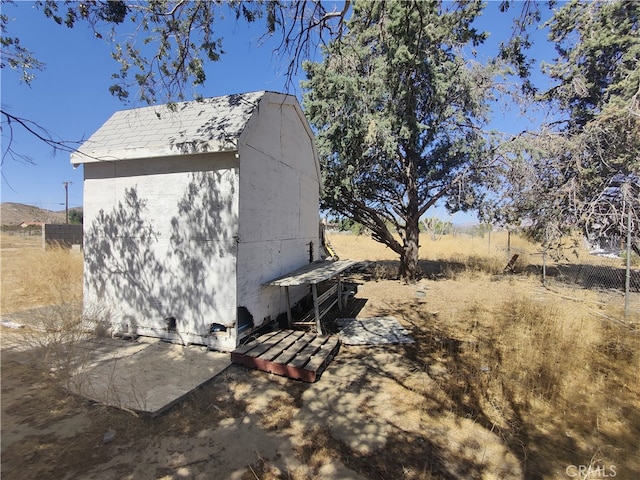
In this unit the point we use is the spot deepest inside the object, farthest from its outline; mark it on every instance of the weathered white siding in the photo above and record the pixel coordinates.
(160, 238)
(190, 210)
(279, 194)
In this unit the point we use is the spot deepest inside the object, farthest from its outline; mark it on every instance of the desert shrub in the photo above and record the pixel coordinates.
(635, 259)
(53, 334)
(46, 286)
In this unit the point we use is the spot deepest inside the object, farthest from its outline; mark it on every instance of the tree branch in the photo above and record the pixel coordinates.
(40, 133)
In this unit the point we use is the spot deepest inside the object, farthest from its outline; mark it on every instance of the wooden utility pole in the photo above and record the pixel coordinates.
(66, 200)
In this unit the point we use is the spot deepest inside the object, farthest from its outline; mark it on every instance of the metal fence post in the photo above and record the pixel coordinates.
(544, 265)
(627, 282)
(544, 258)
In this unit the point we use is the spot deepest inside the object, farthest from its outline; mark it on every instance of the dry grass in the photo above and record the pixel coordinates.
(447, 256)
(554, 371)
(445, 248)
(33, 277)
(48, 285)
(504, 372)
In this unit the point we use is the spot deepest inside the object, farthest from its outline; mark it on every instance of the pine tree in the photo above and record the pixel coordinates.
(398, 110)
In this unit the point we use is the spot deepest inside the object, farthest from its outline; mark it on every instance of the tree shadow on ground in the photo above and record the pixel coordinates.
(389, 269)
(591, 276)
(348, 415)
(480, 393)
(218, 430)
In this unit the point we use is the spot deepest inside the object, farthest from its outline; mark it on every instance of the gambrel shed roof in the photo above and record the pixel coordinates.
(200, 126)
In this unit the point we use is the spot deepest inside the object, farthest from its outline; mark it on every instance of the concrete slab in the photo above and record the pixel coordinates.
(372, 331)
(144, 375)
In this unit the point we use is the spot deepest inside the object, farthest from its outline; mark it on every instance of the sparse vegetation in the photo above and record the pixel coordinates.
(47, 283)
(76, 217)
(33, 277)
(524, 361)
(506, 379)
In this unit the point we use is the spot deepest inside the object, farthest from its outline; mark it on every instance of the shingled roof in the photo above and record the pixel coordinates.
(200, 126)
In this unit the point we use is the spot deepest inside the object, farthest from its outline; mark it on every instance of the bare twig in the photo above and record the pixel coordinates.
(254, 473)
(39, 132)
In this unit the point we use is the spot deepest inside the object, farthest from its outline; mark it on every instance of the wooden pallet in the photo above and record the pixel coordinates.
(290, 353)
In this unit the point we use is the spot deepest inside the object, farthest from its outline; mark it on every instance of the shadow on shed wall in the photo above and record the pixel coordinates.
(129, 267)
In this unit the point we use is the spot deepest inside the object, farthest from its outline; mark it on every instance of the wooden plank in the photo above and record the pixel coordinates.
(276, 367)
(512, 262)
(303, 359)
(289, 316)
(294, 349)
(263, 343)
(331, 291)
(282, 346)
(254, 343)
(283, 370)
(270, 343)
(323, 309)
(312, 273)
(316, 307)
(321, 359)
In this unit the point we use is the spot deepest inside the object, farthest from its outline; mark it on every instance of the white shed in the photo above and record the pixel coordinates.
(189, 211)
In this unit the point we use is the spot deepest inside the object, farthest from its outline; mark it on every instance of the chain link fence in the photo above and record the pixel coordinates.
(605, 269)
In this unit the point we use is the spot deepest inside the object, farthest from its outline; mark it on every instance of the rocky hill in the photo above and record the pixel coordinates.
(16, 213)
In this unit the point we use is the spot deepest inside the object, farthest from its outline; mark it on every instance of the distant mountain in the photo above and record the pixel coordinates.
(17, 213)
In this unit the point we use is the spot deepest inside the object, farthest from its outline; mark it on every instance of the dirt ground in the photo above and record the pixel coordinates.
(425, 410)
(248, 424)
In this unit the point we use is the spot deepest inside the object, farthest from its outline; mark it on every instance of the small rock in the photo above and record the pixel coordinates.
(109, 436)
(420, 294)
(11, 324)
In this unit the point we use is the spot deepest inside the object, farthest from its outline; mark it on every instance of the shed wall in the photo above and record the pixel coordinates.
(160, 241)
(279, 198)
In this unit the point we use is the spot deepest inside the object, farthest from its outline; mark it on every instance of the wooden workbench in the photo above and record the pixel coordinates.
(313, 274)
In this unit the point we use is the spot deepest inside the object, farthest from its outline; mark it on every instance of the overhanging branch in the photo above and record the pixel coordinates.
(37, 131)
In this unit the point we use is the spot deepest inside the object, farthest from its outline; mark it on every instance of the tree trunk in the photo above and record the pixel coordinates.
(409, 255)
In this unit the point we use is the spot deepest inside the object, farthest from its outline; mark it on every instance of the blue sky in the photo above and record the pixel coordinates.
(71, 98)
